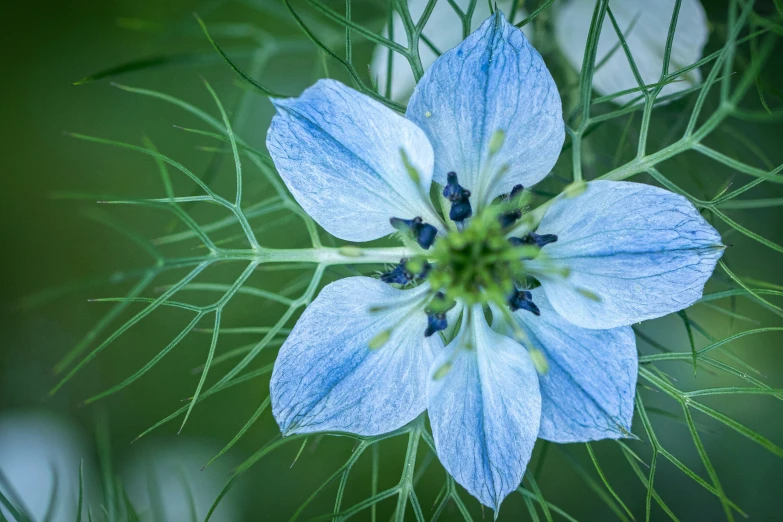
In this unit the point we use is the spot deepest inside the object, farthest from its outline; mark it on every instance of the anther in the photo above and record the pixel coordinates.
(403, 273)
(436, 322)
(515, 192)
(398, 275)
(423, 233)
(509, 217)
(522, 300)
(436, 314)
(459, 197)
(533, 239)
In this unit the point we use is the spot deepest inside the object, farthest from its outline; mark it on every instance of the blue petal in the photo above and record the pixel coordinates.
(493, 81)
(443, 31)
(340, 154)
(588, 389)
(326, 378)
(484, 410)
(642, 251)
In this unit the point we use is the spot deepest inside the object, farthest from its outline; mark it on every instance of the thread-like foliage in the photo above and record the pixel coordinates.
(237, 239)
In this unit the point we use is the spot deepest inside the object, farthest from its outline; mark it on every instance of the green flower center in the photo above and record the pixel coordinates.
(477, 264)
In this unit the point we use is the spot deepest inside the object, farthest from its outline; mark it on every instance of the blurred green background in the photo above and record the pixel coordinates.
(49, 241)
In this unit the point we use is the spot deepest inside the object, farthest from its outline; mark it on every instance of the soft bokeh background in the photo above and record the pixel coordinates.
(49, 241)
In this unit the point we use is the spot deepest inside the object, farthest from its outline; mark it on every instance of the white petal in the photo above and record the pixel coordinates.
(645, 26)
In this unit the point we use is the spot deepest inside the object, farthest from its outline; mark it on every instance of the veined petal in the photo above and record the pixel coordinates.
(492, 112)
(341, 154)
(326, 377)
(484, 407)
(641, 251)
(588, 388)
(645, 27)
(443, 30)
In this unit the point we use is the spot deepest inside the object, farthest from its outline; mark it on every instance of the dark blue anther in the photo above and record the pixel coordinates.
(436, 314)
(453, 190)
(436, 322)
(460, 210)
(509, 217)
(423, 233)
(459, 197)
(515, 192)
(398, 275)
(522, 300)
(533, 239)
(402, 275)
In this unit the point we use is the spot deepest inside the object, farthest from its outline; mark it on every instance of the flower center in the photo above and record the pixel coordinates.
(477, 262)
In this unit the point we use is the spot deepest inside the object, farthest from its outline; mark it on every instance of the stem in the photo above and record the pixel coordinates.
(406, 481)
(322, 255)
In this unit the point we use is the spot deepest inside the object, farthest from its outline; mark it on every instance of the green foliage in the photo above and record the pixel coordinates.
(237, 239)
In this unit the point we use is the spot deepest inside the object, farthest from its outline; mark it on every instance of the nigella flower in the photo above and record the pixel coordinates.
(645, 27)
(368, 355)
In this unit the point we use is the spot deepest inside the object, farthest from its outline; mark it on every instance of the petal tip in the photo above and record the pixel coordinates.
(656, 236)
(499, 16)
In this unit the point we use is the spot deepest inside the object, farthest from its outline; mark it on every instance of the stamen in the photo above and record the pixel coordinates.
(398, 275)
(436, 322)
(522, 300)
(509, 217)
(533, 239)
(406, 272)
(514, 194)
(436, 314)
(459, 197)
(423, 233)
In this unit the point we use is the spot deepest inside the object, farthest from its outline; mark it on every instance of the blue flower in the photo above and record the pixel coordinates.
(559, 359)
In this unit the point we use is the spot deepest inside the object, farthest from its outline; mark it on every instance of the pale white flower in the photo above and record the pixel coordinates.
(40, 455)
(645, 26)
(444, 30)
(164, 478)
